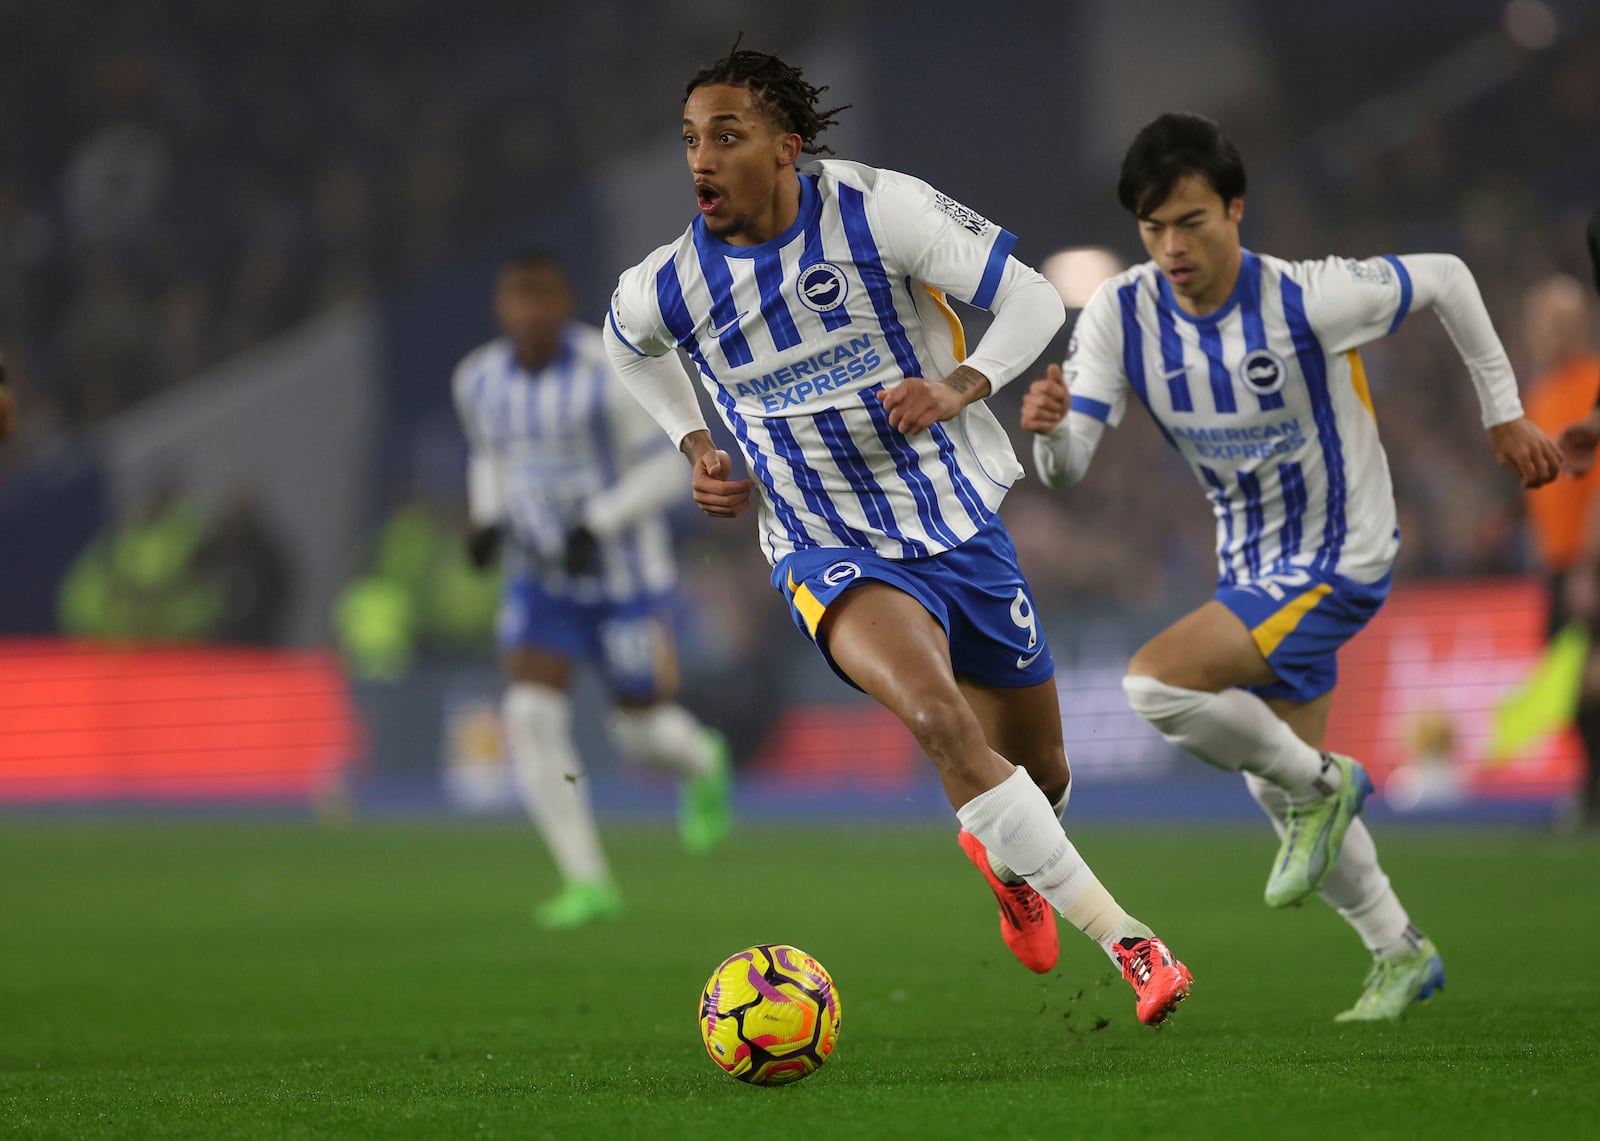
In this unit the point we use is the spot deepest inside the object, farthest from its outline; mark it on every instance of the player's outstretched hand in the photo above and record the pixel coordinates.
(714, 492)
(915, 405)
(1046, 403)
(1525, 451)
(1578, 441)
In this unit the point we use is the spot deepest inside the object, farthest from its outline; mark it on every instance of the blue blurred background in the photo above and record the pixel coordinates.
(242, 247)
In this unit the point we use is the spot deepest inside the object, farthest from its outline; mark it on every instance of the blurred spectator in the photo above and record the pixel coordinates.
(1557, 331)
(420, 595)
(244, 560)
(141, 582)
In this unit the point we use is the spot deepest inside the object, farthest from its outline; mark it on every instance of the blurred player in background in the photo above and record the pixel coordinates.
(1580, 438)
(813, 301)
(1249, 366)
(571, 477)
(1566, 517)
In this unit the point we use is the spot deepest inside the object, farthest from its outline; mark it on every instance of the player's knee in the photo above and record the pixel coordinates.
(1166, 707)
(538, 723)
(531, 704)
(1059, 796)
(1050, 771)
(635, 730)
(942, 727)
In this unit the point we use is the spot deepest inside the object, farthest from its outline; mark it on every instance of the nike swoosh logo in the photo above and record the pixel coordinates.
(1175, 373)
(718, 330)
(1024, 663)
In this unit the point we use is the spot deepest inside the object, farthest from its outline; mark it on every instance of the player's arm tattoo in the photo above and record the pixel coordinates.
(969, 382)
(694, 443)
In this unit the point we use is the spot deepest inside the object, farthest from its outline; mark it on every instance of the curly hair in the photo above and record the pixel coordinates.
(781, 92)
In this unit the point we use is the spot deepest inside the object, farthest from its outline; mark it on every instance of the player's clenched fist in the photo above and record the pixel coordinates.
(1046, 403)
(714, 492)
(915, 405)
(1525, 451)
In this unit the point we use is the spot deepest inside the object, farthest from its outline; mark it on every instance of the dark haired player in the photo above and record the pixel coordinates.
(1249, 365)
(813, 300)
(572, 478)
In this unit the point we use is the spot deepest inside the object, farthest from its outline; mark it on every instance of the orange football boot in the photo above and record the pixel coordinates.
(1160, 981)
(1027, 922)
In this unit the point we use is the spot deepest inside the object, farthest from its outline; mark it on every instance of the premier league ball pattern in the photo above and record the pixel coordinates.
(769, 1015)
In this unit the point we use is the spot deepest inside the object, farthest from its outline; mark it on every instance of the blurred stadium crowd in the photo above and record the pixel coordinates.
(190, 179)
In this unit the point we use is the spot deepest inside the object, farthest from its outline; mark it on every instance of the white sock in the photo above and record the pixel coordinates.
(998, 866)
(551, 779)
(1234, 730)
(1013, 820)
(1357, 888)
(667, 736)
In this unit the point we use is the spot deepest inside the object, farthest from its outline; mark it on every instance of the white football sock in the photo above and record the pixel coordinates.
(1234, 730)
(667, 736)
(1013, 820)
(551, 779)
(1357, 888)
(998, 866)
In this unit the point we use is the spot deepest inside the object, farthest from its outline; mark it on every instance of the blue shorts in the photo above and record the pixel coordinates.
(1299, 619)
(975, 591)
(629, 642)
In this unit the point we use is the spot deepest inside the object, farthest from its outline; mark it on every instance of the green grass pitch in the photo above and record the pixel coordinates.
(253, 979)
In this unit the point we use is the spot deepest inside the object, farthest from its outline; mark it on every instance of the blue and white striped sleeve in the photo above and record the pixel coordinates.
(486, 491)
(1098, 391)
(1094, 372)
(937, 241)
(641, 351)
(1352, 302)
(633, 318)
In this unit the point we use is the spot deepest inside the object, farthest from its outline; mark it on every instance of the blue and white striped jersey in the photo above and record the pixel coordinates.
(1267, 400)
(554, 440)
(794, 338)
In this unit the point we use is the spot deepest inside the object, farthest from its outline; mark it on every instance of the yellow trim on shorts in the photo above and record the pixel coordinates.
(1275, 629)
(958, 335)
(804, 601)
(1358, 378)
(663, 659)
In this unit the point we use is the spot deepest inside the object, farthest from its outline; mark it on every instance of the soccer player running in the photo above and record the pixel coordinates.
(1249, 366)
(812, 299)
(570, 476)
